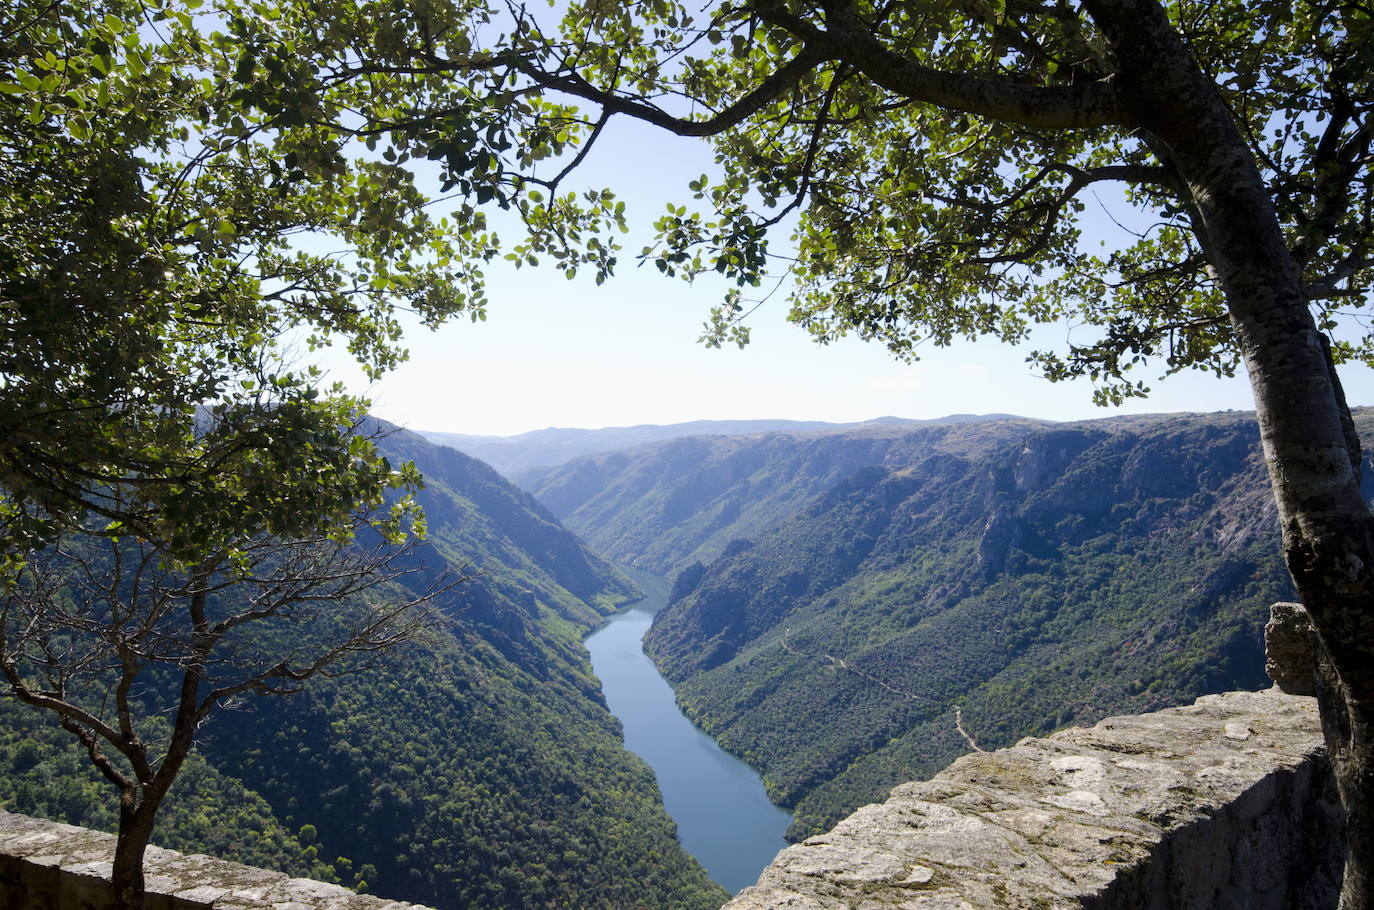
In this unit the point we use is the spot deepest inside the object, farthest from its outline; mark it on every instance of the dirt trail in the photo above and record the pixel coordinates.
(842, 664)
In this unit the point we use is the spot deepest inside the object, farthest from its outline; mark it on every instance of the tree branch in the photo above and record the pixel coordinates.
(1325, 287)
(846, 38)
(784, 78)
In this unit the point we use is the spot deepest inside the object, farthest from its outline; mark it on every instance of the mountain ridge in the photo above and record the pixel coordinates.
(552, 446)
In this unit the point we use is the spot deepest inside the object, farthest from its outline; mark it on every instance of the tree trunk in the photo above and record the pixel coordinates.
(138, 805)
(1328, 533)
(135, 831)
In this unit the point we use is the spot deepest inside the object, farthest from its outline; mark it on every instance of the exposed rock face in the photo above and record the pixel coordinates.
(1226, 803)
(1288, 649)
(45, 864)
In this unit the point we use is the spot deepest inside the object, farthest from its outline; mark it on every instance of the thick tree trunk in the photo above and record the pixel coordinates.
(1328, 532)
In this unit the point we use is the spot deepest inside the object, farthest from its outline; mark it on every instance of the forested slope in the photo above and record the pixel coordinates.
(478, 769)
(664, 506)
(1017, 576)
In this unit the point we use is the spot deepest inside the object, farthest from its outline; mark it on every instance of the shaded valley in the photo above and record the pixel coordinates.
(478, 768)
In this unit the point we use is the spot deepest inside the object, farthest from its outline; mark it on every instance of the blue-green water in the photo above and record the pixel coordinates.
(723, 817)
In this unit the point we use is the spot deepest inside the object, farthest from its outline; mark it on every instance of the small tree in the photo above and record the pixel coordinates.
(133, 652)
(174, 496)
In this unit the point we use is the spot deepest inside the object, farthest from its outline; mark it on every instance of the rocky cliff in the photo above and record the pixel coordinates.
(1225, 803)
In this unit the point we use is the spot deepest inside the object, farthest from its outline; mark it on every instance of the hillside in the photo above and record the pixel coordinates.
(553, 446)
(664, 506)
(514, 455)
(847, 597)
(477, 769)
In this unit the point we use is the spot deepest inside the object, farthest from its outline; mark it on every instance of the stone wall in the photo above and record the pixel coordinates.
(45, 865)
(1226, 803)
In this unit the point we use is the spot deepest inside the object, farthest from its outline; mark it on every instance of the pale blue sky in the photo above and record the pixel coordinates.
(559, 353)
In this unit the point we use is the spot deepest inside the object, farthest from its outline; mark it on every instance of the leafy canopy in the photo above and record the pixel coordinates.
(931, 161)
(169, 224)
(924, 221)
(172, 173)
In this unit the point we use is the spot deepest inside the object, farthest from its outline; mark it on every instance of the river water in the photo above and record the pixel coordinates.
(723, 817)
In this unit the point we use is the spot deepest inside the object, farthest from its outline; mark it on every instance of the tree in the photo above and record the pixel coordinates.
(173, 491)
(935, 157)
(133, 654)
(150, 269)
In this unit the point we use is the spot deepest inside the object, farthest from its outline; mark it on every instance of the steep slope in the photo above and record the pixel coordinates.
(881, 598)
(541, 451)
(662, 507)
(478, 769)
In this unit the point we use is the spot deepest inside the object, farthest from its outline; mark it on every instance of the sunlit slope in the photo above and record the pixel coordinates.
(1013, 576)
(664, 506)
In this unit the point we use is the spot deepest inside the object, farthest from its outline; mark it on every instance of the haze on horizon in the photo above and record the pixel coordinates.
(554, 353)
(569, 354)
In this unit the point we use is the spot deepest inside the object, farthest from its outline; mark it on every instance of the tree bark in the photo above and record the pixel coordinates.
(1328, 533)
(135, 831)
(138, 806)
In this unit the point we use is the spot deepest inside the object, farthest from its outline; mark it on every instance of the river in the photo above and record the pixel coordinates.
(723, 817)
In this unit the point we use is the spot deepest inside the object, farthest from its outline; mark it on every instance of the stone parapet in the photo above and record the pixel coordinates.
(46, 865)
(1226, 803)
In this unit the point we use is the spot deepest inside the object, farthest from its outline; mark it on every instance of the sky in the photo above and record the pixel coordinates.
(554, 352)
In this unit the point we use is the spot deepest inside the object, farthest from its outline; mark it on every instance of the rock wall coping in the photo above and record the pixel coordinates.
(1225, 803)
(46, 865)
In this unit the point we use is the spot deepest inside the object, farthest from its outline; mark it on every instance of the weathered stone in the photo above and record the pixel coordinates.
(1288, 649)
(45, 865)
(1225, 803)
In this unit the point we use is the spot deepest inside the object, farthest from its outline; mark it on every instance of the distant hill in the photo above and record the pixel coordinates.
(512, 455)
(666, 505)
(479, 769)
(841, 599)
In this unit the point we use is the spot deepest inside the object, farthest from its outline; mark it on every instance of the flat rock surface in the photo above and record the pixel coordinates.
(32, 849)
(1081, 816)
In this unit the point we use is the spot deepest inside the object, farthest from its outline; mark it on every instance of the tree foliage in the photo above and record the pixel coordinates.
(932, 163)
(937, 158)
(173, 489)
(931, 160)
(162, 239)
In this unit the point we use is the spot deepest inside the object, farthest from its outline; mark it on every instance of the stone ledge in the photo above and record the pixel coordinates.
(45, 865)
(1226, 803)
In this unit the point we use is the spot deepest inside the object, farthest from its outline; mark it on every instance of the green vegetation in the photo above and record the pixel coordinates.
(479, 767)
(156, 448)
(662, 507)
(1031, 575)
(936, 158)
(45, 773)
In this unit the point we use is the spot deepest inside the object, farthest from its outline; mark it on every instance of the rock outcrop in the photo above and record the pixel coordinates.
(1288, 655)
(1226, 803)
